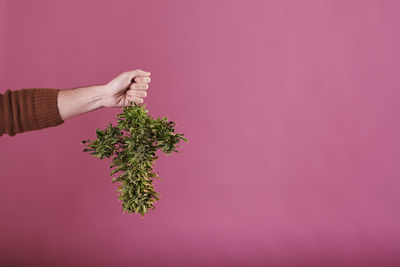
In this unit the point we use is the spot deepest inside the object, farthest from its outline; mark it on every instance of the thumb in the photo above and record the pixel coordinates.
(135, 73)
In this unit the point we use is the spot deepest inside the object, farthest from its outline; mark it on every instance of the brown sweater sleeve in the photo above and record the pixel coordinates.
(28, 109)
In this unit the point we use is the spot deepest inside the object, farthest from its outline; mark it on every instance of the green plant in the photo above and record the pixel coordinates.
(132, 145)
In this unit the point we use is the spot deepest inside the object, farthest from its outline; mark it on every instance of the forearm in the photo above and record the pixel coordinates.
(73, 102)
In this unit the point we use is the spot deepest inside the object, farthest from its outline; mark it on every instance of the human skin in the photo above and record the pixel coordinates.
(127, 88)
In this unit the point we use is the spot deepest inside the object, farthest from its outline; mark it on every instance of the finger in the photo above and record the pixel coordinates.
(135, 99)
(140, 93)
(136, 93)
(142, 79)
(139, 86)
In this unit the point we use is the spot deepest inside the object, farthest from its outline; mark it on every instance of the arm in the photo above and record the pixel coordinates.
(125, 88)
(33, 109)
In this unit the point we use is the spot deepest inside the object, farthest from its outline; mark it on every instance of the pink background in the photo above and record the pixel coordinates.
(291, 109)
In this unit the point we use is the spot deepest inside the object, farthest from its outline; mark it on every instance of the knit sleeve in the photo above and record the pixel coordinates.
(28, 109)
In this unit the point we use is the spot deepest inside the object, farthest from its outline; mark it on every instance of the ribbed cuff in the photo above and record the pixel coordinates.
(45, 107)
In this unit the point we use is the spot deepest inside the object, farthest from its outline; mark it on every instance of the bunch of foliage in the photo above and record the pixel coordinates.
(132, 145)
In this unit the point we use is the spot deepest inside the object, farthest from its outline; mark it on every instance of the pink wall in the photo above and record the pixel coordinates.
(291, 108)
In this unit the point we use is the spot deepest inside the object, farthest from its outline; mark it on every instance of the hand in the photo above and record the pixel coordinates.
(127, 87)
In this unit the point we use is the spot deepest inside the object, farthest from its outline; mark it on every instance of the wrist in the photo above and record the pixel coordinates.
(107, 97)
(98, 95)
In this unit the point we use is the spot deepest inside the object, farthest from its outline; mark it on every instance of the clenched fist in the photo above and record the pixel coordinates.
(126, 88)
